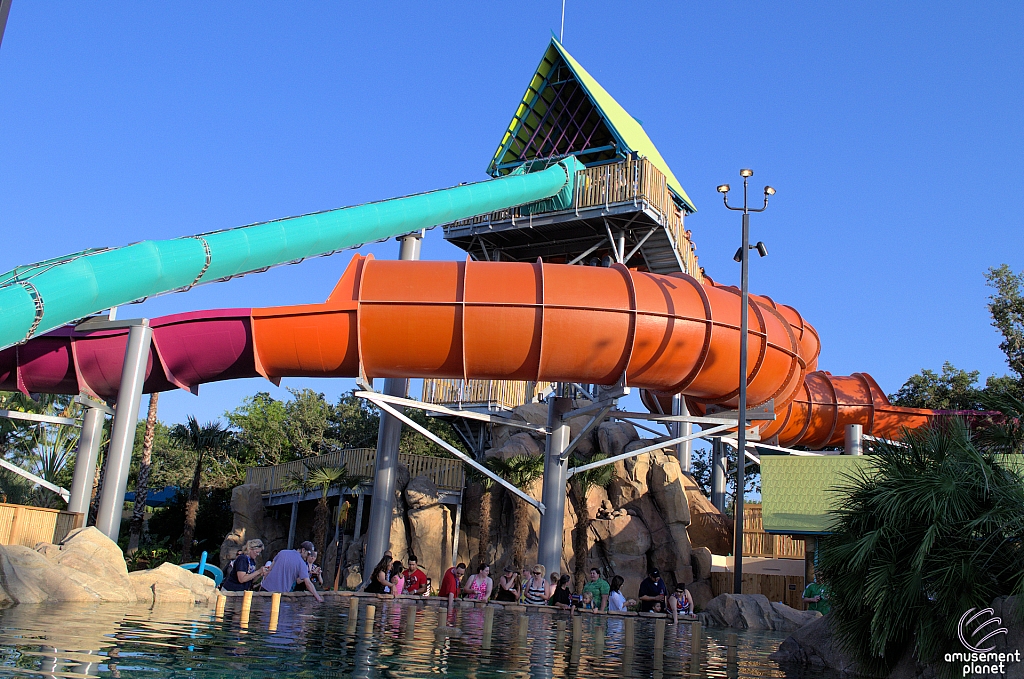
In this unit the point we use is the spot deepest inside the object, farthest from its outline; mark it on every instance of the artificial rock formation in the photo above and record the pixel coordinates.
(87, 566)
(754, 611)
(251, 522)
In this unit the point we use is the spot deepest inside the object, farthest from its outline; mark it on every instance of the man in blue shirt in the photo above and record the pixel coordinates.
(290, 568)
(652, 591)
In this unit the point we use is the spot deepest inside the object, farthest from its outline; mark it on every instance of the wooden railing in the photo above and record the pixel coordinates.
(634, 180)
(446, 473)
(630, 180)
(505, 394)
(28, 526)
(758, 543)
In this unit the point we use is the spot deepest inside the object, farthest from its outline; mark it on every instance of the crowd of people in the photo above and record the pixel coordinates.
(292, 569)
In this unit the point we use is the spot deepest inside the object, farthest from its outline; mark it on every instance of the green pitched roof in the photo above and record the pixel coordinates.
(798, 492)
(610, 124)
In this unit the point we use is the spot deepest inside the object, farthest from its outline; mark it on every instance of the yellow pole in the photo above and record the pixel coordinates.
(246, 609)
(275, 610)
(221, 603)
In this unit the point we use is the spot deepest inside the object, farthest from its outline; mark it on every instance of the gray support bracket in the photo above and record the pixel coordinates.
(594, 421)
(434, 408)
(656, 446)
(383, 404)
(35, 479)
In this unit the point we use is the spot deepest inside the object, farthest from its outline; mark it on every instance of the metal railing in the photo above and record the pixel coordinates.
(446, 473)
(493, 394)
(28, 526)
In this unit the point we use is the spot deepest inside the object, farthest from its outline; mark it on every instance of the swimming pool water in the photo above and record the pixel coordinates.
(326, 640)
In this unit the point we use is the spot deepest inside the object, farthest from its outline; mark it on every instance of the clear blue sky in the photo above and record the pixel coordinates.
(892, 132)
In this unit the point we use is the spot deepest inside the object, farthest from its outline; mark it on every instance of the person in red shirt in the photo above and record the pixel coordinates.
(450, 583)
(415, 579)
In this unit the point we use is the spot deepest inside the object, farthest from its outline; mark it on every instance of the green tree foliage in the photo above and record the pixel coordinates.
(212, 438)
(323, 479)
(46, 450)
(580, 485)
(933, 531)
(1006, 305)
(520, 471)
(213, 522)
(260, 427)
(953, 389)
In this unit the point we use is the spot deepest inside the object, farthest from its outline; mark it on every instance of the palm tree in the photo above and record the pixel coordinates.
(932, 529)
(580, 485)
(487, 485)
(323, 478)
(208, 438)
(520, 471)
(142, 486)
(1007, 434)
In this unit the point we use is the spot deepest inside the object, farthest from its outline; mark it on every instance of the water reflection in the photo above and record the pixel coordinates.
(338, 639)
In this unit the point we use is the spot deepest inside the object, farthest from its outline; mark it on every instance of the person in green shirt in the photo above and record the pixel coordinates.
(816, 597)
(598, 588)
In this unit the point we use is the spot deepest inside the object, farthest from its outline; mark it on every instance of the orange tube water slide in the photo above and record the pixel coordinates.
(551, 322)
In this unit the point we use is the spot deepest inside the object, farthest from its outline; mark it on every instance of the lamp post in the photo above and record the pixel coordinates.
(743, 257)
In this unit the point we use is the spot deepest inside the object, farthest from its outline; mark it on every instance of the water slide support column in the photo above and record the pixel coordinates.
(122, 436)
(854, 439)
(85, 461)
(549, 549)
(378, 533)
(718, 471)
(684, 450)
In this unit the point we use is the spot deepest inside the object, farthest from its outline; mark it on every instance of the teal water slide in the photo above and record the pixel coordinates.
(37, 298)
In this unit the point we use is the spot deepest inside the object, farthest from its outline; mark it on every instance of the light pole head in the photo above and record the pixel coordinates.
(746, 173)
(769, 191)
(761, 248)
(738, 257)
(724, 188)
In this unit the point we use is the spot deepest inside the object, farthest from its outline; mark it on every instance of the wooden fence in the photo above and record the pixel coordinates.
(28, 526)
(788, 589)
(758, 543)
(446, 473)
(502, 394)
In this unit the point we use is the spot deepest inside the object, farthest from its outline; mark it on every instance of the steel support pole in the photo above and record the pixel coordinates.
(378, 532)
(719, 469)
(684, 450)
(360, 501)
(741, 430)
(854, 439)
(455, 534)
(122, 436)
(85, 461)
(293, 520)
(552, 521)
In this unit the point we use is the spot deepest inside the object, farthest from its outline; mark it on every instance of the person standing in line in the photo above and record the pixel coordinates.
(289, 568)
(479, 585)
(415, 579)
(552, 586)
(242, 572)
(450, 583)
(816, 597)
(652, 591)
(616, 600)
(599, 590)
(380, 576)
(508, 586)
(397, 579)
(562, 597)
(535, 589)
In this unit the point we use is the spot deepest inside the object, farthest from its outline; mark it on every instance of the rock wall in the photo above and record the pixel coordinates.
(87, 566)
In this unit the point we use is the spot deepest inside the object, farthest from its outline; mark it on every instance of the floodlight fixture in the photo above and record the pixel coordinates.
(746, 173)
(761, 248)
(769, 191)
(724, 188)
(738, 257)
